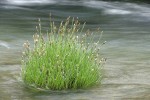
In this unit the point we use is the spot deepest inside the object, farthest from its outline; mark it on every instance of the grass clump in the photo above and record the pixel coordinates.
(61, 60)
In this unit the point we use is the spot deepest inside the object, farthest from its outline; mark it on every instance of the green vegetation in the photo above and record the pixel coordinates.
(61, 60)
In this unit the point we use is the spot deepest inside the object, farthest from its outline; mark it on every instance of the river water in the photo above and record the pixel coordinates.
(126, 29)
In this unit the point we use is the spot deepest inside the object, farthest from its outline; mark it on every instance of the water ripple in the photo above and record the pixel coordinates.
(4, 44)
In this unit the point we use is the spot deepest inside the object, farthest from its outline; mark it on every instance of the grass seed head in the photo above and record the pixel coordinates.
(61, 62)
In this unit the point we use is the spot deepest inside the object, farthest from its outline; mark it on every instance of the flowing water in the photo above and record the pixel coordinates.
(126, 29)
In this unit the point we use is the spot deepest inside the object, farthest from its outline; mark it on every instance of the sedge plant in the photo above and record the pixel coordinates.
(61, 59)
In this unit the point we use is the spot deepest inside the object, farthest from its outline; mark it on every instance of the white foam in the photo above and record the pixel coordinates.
(29, 2)
(117, 11)
(97, 4)
(112, 8)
